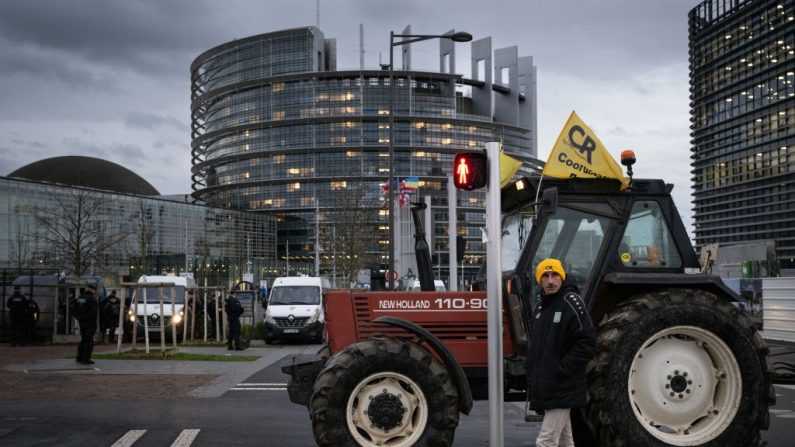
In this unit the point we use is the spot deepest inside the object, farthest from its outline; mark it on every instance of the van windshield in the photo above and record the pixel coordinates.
(295, 295)
(153, 295)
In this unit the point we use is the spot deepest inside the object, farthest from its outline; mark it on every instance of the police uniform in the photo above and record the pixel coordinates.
(17, 306)
(85, 310)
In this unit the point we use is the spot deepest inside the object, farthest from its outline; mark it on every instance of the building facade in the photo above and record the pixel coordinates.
(136, 235)
(279, 130)
(742, 84)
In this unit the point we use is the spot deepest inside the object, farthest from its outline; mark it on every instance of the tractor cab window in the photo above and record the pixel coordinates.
(647, 241)
(515, 234)
(575, 238)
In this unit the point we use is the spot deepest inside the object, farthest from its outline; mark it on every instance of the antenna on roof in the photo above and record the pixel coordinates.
(317, 18)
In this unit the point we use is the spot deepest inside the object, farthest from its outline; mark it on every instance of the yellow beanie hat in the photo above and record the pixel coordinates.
(549, 265)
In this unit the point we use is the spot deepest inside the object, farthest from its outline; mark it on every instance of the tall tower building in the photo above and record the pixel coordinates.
(278, 129)
(742, 110)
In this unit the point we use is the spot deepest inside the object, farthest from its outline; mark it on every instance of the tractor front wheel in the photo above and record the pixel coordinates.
(384, 391)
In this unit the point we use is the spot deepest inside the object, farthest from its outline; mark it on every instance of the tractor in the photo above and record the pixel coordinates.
(678, 362)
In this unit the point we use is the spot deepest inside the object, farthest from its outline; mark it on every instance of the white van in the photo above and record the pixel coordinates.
(151, 315)
(295, 309)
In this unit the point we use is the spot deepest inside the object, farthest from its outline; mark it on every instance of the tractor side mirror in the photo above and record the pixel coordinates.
(549, 202)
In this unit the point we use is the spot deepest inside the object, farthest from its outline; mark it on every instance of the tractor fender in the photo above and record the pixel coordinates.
(452, 365)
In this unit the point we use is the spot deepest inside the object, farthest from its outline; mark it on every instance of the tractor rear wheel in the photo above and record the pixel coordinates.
(679, 367)
(384, 391)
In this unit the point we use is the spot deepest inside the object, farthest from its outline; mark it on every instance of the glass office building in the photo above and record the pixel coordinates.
(742, 92)
(279, 130)
(214, 244)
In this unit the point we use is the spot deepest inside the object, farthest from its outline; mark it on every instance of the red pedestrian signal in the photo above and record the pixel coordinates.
(470, 170)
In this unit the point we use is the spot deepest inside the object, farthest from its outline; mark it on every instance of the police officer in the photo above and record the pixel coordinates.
(85, 310)
(32, 317)
(233, 312)
(110, 315)
(17, 307)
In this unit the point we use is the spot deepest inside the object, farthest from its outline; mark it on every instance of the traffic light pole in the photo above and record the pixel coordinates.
(494, 294)
(452, 216)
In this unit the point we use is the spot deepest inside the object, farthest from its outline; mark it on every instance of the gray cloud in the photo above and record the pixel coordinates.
(144, 120)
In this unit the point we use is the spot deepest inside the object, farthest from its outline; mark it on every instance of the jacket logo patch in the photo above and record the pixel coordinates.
(556, 317)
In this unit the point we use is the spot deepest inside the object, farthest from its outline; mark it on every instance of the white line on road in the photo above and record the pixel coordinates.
(261, 384)
(257, 389)
(129, 438)
(186, 438)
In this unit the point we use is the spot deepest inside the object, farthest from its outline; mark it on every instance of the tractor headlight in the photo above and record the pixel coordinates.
(177, 318)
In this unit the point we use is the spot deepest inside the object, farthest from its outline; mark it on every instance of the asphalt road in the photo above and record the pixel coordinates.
(255, 411)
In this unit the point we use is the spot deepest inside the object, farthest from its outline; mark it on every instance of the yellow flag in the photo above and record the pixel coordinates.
(508, 167)
(579, 153)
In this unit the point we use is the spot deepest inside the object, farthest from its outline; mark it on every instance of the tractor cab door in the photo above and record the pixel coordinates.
(575, 234)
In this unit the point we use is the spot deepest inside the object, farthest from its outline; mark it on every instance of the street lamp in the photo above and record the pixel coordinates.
(405, 39)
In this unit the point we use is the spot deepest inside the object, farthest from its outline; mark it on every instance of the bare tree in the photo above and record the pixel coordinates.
(20, 251)
(351, 242)
(77, 231)
(142, 233)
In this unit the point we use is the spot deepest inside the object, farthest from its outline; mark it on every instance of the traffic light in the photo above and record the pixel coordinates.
(470, 170)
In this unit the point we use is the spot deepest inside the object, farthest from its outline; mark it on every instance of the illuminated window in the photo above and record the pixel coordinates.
(267, 202)
(247, 147)
(419, 125)
(339, 140)
(383, 112)
(383, 169)
(278, 86)
(307, 201)
(383, 154)
(294, 186)
(383, 140)
(246, 174)
(336, 186)
(277, 116)
(473, 143)
(418, 154)
(447, 140)
(278, 203)
(293, 171)
(351, 154)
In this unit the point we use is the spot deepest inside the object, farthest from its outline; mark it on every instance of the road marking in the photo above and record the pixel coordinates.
(186, 438)
(261, 384)
(257, 389)
(786, 415)
(129, 438)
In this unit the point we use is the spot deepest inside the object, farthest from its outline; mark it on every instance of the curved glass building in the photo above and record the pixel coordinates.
(277, 129)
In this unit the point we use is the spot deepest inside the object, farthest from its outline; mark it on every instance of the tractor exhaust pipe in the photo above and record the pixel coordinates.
(421, 250)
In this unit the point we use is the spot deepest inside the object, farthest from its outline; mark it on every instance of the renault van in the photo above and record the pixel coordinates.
(295, 309)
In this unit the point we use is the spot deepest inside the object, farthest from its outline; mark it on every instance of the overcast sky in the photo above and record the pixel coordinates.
(110, 78)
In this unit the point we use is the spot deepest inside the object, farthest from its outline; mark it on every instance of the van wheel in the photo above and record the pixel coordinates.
(383, 391)
(679, 368)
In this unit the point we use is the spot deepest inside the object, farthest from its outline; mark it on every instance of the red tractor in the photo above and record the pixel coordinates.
(678, 363)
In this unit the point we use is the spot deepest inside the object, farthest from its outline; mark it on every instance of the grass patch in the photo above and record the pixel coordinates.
(174, 355)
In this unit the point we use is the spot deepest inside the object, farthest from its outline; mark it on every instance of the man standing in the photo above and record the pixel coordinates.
(85, 310)
(233, 312)
(562, 341)
(17, 307)
(32, 318)
(110, 315)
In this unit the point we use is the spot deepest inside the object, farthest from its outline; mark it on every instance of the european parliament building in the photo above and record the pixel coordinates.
(279, 130)
(742, 93)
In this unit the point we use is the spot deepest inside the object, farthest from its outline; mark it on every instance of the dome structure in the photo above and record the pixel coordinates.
(87, 172)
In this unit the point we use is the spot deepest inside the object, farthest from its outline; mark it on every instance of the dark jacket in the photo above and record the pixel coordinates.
(562, 342)
(17, 306)
(85, 309)
(233, 308)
